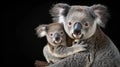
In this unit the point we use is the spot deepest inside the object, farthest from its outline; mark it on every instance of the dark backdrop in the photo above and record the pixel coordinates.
(21, 46)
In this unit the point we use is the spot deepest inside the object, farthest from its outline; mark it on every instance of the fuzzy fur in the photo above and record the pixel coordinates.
(101, 50)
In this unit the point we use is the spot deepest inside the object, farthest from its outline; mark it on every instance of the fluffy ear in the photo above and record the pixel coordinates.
(102, 14)
(59, 10)
(41, 30)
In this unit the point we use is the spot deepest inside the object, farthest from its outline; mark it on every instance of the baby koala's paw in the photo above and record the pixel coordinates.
(40, 63)
(50, 63)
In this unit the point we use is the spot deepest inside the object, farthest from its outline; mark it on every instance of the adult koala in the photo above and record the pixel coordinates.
(83, 23)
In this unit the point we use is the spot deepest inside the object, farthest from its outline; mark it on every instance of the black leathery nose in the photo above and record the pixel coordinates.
(57, 36)
(77, 28)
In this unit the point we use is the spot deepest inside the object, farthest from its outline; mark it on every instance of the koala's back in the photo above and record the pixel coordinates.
(104, 50)
(109, 56)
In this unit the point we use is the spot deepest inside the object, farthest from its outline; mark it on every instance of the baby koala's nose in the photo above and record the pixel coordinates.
(57, 36)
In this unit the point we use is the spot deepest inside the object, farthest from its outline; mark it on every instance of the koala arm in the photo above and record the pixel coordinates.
(49, 55)
(46, 53)
(76, 60)
(64, 51)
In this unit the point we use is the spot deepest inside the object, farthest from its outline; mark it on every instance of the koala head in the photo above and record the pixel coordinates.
(80, 22)
(54, 33)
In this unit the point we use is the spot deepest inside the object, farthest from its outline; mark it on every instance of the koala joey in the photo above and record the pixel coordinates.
(84, 23)
(56, 48)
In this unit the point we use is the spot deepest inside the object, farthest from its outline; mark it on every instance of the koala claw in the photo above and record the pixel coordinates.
(83, 45)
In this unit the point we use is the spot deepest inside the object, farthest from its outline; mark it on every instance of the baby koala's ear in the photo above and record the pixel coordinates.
(41, 30)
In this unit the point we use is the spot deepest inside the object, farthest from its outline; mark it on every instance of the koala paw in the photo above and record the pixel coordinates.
(82, 43)
(40, 63)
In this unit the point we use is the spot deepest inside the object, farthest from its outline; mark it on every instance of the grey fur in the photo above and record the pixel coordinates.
(55, 11)
(101, 50)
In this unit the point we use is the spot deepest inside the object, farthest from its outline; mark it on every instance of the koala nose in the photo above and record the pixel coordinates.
(57, 36)
(77, 28)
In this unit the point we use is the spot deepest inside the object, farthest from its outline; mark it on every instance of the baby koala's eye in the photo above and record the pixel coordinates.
(51, 34)
(61, 32)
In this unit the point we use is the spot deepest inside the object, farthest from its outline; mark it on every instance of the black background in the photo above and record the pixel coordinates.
(21, 46)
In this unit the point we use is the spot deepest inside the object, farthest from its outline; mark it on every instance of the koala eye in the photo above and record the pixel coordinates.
(61, 32)
(51, 34)
(86, 24)
(69, 23)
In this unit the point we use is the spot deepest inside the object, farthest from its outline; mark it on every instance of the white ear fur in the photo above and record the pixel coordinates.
(102, 14)
(41, 30)
(99, 22)
(58, 11)
(42, 34)
(61, 19)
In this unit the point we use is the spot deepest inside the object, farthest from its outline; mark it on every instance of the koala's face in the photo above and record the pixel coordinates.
(79, 21)
(79, 24)
(54, 33)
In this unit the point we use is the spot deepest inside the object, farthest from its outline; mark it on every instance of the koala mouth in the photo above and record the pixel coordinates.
(77, 36)
(58, 41)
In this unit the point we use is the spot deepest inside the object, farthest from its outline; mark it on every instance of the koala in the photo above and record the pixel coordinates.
(84, 23)
(56, 48)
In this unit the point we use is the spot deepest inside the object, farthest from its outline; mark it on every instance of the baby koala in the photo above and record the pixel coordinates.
(56, 48)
